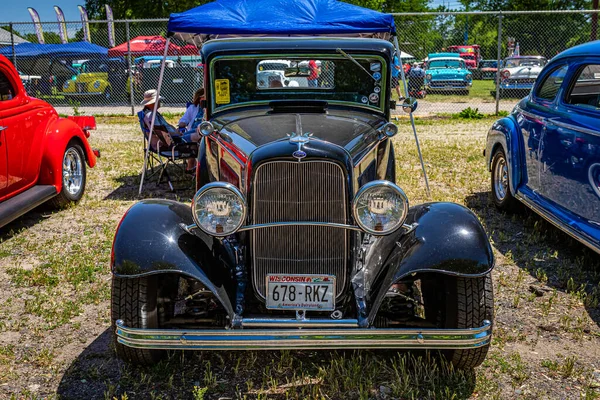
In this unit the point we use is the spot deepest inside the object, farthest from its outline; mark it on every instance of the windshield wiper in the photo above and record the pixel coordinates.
(349, 57)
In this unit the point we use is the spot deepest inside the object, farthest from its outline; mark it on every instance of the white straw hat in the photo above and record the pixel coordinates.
(150, 97)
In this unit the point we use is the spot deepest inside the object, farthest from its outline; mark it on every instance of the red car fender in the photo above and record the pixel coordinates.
(58, 135)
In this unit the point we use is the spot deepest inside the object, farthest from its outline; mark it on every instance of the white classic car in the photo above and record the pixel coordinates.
(518, 74)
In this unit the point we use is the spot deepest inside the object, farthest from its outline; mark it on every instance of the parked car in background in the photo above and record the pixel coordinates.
(298, 236)
(470, 53)
(487, 69)
(98, 78)
(445, 72)
(546, 154)
(43, 157)
(518, 74)
(30, 82)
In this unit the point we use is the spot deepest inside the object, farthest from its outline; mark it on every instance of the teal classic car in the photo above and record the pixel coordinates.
(446, 72)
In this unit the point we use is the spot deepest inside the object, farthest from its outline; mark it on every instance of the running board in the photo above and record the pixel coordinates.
(14, 207)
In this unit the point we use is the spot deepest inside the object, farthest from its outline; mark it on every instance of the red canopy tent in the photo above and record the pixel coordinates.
(151, 46)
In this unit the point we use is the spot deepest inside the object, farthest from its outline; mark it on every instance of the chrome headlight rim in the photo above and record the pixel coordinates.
(232, 189)
(386, 184)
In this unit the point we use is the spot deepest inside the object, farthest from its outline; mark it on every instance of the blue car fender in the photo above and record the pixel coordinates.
(505, 133)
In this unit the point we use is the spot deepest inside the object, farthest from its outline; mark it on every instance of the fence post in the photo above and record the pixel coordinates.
(499, 60)
(12, 44)
(130, 75)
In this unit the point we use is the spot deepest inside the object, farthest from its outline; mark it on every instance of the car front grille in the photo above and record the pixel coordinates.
(299, 191)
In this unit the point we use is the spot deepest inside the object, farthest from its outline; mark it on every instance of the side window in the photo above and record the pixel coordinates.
(586, 90)
(7, 91)
(549, 88)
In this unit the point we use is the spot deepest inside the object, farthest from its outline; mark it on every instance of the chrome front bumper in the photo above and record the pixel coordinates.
(311, 338)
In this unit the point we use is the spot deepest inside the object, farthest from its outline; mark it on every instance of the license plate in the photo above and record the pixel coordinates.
(301, 292)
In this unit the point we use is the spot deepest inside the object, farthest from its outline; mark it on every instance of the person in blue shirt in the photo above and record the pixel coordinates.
(395, 75)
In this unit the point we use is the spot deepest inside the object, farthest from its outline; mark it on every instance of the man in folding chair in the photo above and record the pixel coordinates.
(166, 140)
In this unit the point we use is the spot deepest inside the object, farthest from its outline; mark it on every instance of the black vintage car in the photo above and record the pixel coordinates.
(298, 236)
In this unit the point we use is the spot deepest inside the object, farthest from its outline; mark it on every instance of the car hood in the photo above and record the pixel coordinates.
(524, 72)
(91, 76)
(447, 73)
(354, 131)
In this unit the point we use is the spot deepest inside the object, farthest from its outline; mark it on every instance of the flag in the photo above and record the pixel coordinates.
(111, 26)
(35, 17)
(85, 24)
(62, 26)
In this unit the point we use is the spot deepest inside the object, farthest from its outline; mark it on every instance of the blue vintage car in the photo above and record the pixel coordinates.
(446, 72)
(546, 154)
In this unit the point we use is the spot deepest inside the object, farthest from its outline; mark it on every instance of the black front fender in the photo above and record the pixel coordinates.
(448, 239)
(151, 239)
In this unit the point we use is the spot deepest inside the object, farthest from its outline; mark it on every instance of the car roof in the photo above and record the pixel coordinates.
(445, 58)
(521, 57)
(296, 44)
(586, 49)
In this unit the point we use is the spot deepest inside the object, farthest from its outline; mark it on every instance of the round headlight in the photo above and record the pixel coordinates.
(390, 129)
(428, 77)
(380, 207)
(206, 128)
(96, 84)
(219, 209)
(66, 85)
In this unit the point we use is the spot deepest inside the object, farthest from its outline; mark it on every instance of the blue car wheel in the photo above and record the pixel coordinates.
(503, 198)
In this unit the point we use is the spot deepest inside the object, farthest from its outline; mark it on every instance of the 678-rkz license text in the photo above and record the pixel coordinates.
(314, 292)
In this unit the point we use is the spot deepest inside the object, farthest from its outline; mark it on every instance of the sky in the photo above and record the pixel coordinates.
(17, 11)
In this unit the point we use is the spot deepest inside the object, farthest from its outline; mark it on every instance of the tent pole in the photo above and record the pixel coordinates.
(412, 118)
(160, 79)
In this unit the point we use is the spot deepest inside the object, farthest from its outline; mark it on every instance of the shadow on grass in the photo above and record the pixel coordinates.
(129, 185)
(96, 373)
(26, 221)
(542, 250)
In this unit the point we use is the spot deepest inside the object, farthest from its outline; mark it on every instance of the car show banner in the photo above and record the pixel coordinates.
(85, 24)
(35, 17)
(111, 26)
(62, 26)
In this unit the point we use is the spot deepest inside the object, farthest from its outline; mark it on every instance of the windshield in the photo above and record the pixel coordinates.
(433, 64)
(94, 66)
(524, 62)
(257, 79)
(488, 64)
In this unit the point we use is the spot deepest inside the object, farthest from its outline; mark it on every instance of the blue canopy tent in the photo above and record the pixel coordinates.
(51, 59)
(234, 18)
(67, 50)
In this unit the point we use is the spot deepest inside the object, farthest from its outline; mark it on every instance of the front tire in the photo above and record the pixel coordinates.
(74, 177)
(469, 301)
(500, 180)
(134, 301)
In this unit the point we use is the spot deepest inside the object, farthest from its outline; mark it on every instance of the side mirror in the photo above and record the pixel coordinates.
(410, 105)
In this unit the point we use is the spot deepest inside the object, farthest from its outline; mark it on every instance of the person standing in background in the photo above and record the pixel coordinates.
(395, 75)
(314, 73)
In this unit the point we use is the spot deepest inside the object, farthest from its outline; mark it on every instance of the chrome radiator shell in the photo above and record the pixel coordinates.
(285, 191)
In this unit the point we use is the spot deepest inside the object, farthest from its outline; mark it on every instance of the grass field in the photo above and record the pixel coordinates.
(55, 340)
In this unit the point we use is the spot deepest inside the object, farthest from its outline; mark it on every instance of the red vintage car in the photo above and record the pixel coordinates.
(42, 157)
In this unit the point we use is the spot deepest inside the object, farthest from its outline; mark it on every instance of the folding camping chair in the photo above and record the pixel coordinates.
(169, 151)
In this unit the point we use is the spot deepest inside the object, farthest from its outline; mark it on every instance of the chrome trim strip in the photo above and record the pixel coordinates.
(299, 223)
(572, 127)
(548, 217)
(261, 339)
(409, 227)
(298, 323)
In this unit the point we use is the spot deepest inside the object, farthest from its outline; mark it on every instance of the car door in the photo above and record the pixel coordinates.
(7, 93)
(531, 119)
(570, 151)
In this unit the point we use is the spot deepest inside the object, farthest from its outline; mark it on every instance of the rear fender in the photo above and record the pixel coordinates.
(505, 133)
(151, 239)
(58, 135)
(448, 239)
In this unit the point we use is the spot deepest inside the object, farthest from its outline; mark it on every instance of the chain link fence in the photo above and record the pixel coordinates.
(482, 60)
